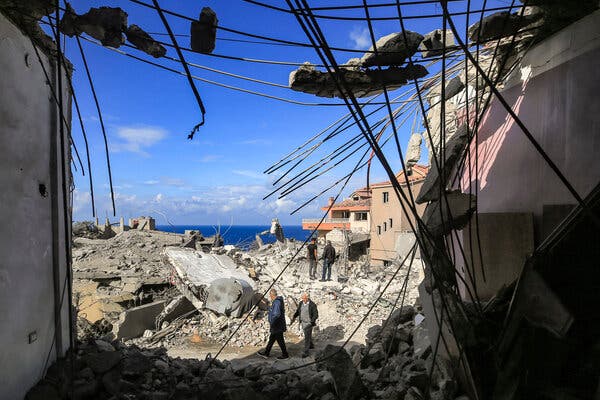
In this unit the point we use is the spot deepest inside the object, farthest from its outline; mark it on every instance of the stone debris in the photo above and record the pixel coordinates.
(144, 42)
(392, 49)
(204, 31)
(395, 363)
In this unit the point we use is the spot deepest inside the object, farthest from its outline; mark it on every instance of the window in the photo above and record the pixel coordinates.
(385, 226)
(391, 223)
(360, 216)
(355, 198)
(345, 214)
(379, 229)
(386, 197)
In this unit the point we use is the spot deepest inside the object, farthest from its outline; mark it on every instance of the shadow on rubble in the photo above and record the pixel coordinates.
(111, 370)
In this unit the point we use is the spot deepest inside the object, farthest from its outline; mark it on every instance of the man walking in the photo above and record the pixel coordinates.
(312, 258)
(308, 313)
(277, 325)
(328, 259)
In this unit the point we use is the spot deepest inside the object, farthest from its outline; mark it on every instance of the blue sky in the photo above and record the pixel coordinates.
(218, 176)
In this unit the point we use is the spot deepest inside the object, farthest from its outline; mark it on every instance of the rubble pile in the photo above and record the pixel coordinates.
(395, 363)
(132, 278)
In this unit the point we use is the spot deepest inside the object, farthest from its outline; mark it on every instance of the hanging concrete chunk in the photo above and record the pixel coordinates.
(430, 190)
(393, 49)
(362, 83)
(453, 87)
(433, 43)
(454, 214)
(499, 25)
(105, 24)
(413, 152)
(144, 42)
(204, 31)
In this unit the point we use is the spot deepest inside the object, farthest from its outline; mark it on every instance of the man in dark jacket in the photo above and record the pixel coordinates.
(277, 323)
(328, 259)
(308, 314)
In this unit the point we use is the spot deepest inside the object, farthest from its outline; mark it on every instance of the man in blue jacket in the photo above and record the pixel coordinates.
(277, 323)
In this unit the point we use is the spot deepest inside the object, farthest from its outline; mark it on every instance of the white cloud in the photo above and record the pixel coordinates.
(151, 182)
(264, 142)
(82, 201)
(249, 174)
(210, 158)
(136, 139)
(361, 38)
(158, 198)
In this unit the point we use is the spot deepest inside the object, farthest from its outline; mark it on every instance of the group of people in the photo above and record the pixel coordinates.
(328, 260)
(306, 313)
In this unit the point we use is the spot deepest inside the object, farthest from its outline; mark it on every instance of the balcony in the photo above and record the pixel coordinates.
(327, 224)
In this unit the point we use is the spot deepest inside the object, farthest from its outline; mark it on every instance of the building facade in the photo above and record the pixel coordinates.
(351, 214)
(390, 227)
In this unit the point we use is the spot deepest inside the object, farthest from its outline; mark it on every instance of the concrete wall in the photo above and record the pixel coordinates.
(32, 217)
(554, 91)
(505, 240)
(383, 245)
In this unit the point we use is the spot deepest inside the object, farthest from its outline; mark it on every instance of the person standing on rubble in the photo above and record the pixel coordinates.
(308, 313)
(328, 259)
(277, 325)
(312, 258)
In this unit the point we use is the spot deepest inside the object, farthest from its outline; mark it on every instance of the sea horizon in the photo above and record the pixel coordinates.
(239, 235)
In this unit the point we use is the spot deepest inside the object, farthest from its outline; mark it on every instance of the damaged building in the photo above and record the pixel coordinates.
(480, 275)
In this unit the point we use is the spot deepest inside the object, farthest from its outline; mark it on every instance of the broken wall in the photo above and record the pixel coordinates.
(34, 247)
(554, 92)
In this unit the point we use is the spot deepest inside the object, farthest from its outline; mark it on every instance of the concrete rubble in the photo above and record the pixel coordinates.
(395, 362)
(392, 49)
(361, 82)
(204, 31)
(433, 43)
(144, 42)
(105, 24)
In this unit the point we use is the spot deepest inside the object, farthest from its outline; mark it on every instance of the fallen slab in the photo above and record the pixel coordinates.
(211, 281)
(133, 322)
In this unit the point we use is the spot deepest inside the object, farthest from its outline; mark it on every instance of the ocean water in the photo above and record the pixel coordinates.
(239, 235)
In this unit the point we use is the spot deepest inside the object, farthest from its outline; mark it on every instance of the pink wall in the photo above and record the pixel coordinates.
(561, 108)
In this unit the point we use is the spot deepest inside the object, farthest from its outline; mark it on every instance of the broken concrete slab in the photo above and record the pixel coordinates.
(430, 190)
(133, 322)
(204, 31)
(453, 87)
(500, 24)
(392, 49)
(232, 297)
(433, 43)
(346, 379)
(180, 305)
(413, 151)
(196, 272)
(362, 83)
(144, 42)
(105, 24)
(456, 209)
